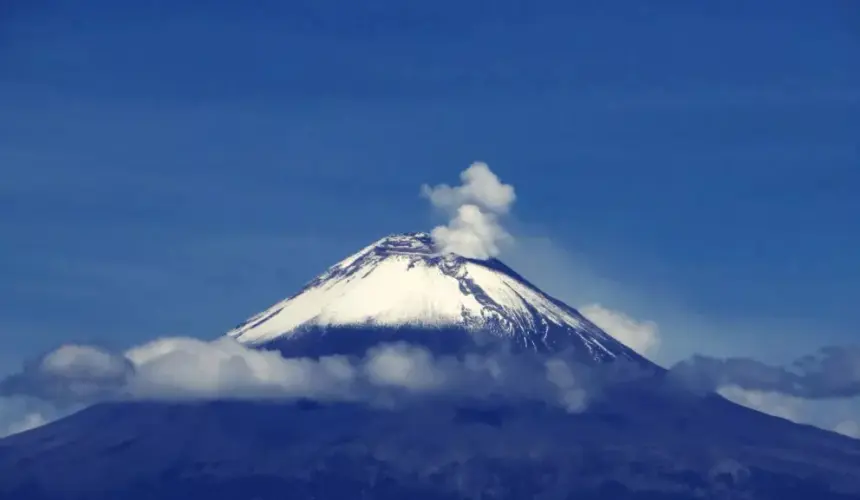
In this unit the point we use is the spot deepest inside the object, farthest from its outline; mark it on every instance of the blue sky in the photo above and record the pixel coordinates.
(169, 170)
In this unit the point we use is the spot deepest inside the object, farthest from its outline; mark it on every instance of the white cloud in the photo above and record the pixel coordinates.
(571, 393)
(401, 365)
(19, 414)
(82, 361)
(84, 371)
(388, 374)
(71, 374)
(190, 369)
(849, 428)
(833, 415)
(27, 422)
(641, 336)
(474, 207)
(830, 373)
(772, 403)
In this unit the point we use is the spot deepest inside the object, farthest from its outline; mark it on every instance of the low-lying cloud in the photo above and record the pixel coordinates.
(22, 413)
(832, 372)
(772, 403)
(840, 417)
(71, 374)
(474, 208)
(393, 374)
(822, 389)
(75, 376)
(850, 428)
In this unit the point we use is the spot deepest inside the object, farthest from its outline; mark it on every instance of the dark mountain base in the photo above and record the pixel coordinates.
(513, 482)
(251, 450)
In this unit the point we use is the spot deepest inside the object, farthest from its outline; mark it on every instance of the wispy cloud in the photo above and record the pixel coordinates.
(840, 417)
(772, 403)
(19, 413)
(71, 374)
(641, 336)
(850, 428)
(821, 389)
(832, 372)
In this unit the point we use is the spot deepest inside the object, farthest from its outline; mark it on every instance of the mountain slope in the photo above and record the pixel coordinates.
(400, 287)
(669, 449)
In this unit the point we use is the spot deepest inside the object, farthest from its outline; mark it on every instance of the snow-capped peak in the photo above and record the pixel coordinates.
(403, 280)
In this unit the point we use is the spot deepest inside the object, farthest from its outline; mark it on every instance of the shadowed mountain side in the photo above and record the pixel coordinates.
(646, 446)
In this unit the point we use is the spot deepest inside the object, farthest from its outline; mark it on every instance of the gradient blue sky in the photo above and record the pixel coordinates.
(169, 170)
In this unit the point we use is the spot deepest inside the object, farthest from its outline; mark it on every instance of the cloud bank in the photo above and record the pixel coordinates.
(832, 372)
(821, 389)
(840, 419)
(71, 374)
(474, 208)
(74, 376)
(394, 374)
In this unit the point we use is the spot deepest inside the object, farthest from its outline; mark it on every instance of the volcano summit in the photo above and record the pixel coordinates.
(402, 288)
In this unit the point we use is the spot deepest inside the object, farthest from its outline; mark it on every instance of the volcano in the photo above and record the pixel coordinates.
(640, 438)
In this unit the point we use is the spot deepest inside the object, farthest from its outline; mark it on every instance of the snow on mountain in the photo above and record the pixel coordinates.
(403, 281)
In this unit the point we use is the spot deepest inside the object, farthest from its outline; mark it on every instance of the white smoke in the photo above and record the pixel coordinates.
(473, 208)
